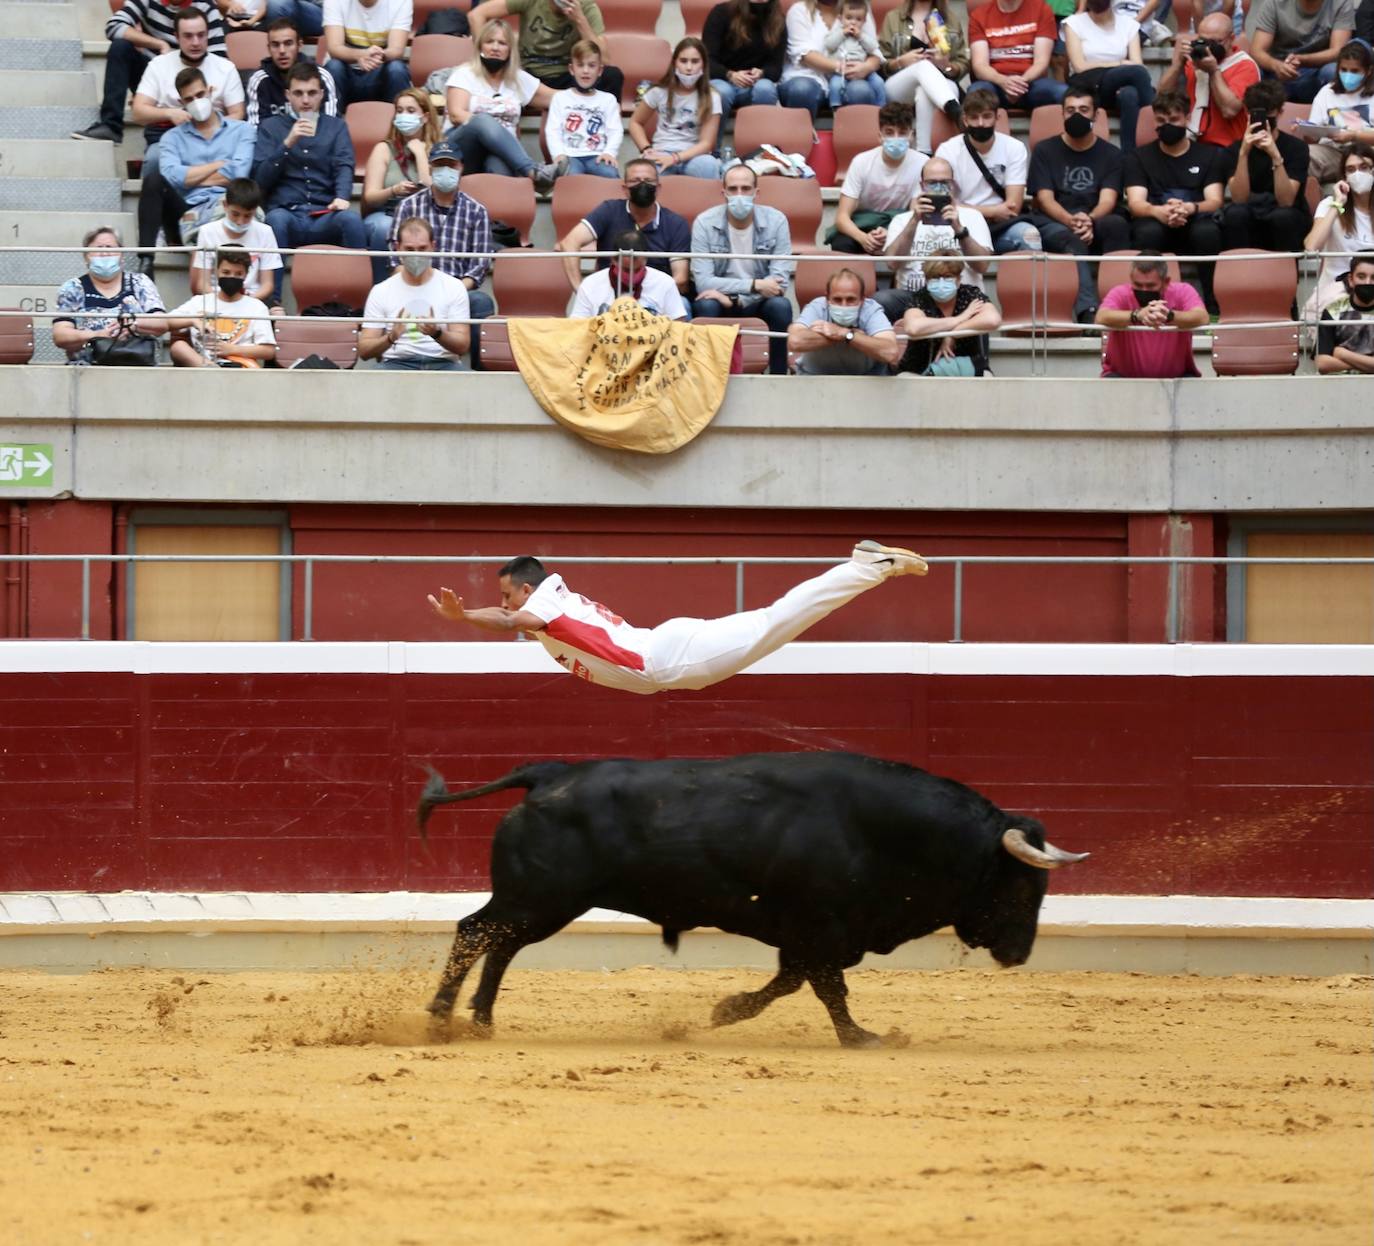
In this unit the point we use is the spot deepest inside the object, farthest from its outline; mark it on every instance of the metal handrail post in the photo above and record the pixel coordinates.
(958, 637)
(1171, 628)
(85, 599)
(739, 587)
(308, 622)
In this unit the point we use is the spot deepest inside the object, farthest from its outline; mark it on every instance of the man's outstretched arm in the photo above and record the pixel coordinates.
(449, 605)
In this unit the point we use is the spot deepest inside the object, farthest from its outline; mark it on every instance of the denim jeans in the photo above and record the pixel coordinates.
(308, 16)
(775, 312)
(1016, 235)
(808, 93)
(419, 364)
(764, 91)
(593, 165)
(1311, 78)
(698, 166)
(1110, 233)
(488, 147)
(1040, 91)
(297, 228)
(384, 83)
(378, 226)
(1128, 89)
(839, 90)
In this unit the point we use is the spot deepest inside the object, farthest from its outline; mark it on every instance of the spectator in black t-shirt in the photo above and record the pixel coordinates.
(1345, 337)
(1268, 208)
(745, 42)
(941, 304)
(1174, 189)
(1075, 184)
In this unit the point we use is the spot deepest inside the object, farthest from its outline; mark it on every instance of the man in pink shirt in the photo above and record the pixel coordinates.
(1171, 309)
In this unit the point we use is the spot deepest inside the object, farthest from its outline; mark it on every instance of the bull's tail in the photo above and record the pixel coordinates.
(436, 791)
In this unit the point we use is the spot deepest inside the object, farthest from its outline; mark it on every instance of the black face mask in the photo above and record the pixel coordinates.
(643, 194)
(1363, 293)
(494, 64)
(1076, 125)
(1171, 134)
(1146, 297)
(232, 286)
(979, 133)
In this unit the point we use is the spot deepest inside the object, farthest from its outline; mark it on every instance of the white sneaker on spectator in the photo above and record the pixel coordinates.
(1157, 33)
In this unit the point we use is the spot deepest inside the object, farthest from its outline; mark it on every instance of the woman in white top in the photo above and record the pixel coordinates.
(1104, 56)
(396, 167)
(1342, 223)
(688, 112)
(809, 68)
(1348, 104)
(484, 99)
(926, 55)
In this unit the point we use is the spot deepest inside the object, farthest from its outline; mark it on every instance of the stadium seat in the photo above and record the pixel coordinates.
(641, 58)
(688, 196)
(529, 286)
(694, 14)
(494, 349)
(509, 200)
(856, 130)
(753, 348)
(369, 122)
(298, 339)
(1115, 270)
(1291, 114)
(431, 52)
(881, 8)
(324, 274)
(1255, 352)
(576, 195)
(1048, 121)
(246, 48)
(798, 199)
(789, 129)
(16, 338)
(1312, 192)
(812, 275)
(1037, 291)
(633, 16)
(1247, 292)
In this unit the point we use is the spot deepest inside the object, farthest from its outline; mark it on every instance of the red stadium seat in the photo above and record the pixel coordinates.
(798, 199)
(1048, 120)
(689, 196)
(641, 58)
(246, 48)
(633, 16)
(16, 338)
(324, 274)
(789, 129)
(812, 275)
(576, 195)
(431, 52)
(533, 286)
(369, 122)
(298, 339)
(753, 348)
(1250, 291)
(1038, 292)
(509, 200)
(1115, 270)
(855, 130)
(494, 349)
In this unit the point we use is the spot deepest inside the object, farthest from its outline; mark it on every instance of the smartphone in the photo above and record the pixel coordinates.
(1258, 116)
(320, 212)
(938, 204)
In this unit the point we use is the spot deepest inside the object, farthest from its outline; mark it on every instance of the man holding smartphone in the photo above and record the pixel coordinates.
(1153, 319)
(1268, 174)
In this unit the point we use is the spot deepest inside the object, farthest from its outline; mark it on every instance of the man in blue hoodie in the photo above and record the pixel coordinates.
(303, 162)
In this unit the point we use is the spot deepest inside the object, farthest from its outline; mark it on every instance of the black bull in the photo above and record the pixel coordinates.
(825, 856)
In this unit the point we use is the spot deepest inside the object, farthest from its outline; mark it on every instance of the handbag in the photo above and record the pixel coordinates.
(127, 349)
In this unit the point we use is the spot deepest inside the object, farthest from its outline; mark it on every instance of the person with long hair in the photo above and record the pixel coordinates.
(924, 56)
(1346, 103)
(1342, 223)
(806, 76)
(688, 112)
(396, 167)
(745, 41)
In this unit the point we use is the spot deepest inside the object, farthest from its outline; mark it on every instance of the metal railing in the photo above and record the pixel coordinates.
(308, 562)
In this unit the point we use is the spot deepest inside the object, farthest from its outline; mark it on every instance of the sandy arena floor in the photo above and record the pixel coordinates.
(1023, 1108)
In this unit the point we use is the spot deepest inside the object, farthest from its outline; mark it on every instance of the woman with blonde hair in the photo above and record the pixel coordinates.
(925, 54)
(484, 99)
(944, 304)
(688, 113)
(396, 167)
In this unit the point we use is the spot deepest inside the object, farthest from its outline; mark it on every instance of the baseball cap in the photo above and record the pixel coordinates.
(444, 150)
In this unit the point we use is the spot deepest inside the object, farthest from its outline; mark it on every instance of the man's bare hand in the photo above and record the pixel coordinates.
(448, 605)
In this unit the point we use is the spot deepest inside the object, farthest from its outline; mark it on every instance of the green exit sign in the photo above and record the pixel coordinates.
(23, 466)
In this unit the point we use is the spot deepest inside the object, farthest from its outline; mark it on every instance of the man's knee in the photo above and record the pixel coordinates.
(1147, 234)
(351, 230)
(282, 225)
(775, 312)
(1061, 239)
(894, 303)
(1111, 233)
(480, 304)
(395, 79)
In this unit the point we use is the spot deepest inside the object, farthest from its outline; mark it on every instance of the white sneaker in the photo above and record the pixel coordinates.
(1158, 33)
(891, 559)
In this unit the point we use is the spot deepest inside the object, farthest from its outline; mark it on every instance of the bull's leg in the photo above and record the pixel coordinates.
(475, 935)
(499, 957)
(828, 983)
(749, 1004)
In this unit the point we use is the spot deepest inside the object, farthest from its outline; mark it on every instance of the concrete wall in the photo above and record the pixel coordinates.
(1061, 445)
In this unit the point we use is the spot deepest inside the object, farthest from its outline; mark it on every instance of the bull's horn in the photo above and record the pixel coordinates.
(1048, 858)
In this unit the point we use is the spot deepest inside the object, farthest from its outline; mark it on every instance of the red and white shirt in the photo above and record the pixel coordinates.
(589, 640)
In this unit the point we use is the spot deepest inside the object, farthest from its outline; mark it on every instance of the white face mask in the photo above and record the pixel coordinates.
(200, 109)
(1360, 181)
(688, 80)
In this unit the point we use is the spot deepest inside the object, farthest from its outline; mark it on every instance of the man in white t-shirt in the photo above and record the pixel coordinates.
(240, 227)
(990, 174)
(228, 328)
(366, 43)
(936, 221)
(416, 320)
(880, 183)
(597, 645)
(629, 276)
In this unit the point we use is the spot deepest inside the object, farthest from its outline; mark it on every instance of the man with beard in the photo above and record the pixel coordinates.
(266, 88)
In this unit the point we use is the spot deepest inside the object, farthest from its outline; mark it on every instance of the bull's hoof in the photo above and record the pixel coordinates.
(858, 1038)
(734, 1008)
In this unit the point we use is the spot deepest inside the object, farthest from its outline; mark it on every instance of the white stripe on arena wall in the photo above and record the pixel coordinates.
(799, 658)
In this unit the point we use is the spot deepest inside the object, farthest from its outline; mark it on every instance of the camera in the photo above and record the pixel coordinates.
(1198, 49)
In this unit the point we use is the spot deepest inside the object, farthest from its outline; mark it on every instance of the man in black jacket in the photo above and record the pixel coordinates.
(266, 89)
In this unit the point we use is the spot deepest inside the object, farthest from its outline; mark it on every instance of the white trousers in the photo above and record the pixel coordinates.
(696, 653)
(925, 87)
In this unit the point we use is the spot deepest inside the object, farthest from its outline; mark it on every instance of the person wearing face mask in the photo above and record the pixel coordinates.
(239, 226)
(202, 156)
(549, 29)
(396, 168)
(745, 41)
(879, 183)
(663, 229)
(1345, 337)
(687, 113)
(1298, 42)
(843, 332)
(1342, 113)
(266, 86)
(1104, 57)
(942, 305)
(1268, 175)
(629, 276)
(415, 320)
(583, 130)
(1214, 75)
(728, 284)
(1342, 222)
(89, 306)
(228, 328)
(1152, 319)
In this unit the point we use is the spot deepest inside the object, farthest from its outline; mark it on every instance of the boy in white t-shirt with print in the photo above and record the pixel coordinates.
(229, 329)
(240, 227)
(584, 126)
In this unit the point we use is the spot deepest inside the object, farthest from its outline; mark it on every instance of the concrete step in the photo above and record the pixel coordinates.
(39, 21)
(54, 122)
(55, 160)
(40, 54)
(43, 88)
(58, 229)
(32, 194)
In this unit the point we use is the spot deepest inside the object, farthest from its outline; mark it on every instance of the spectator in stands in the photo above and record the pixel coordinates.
(843, 332)
(1104, 54)
(106, 291)
(549, 29)
(1150, 300)
(1364, 22)
(809, 68)
(266, 89)
(1268, 175)
(1347, 104)
(396, 168)
(1148, 15)
(484, 98)
(458, 223)
(303, 162)
(1342, 223)
(1075, 186)
(990, 173)
(229, 329)
(416, 319)
(936, 221)
(880, 182)
(583, 127)
(239, 226)
(663, 229)
(848, 42)
(687, 112)
(921, 69)
(1299, 41)
(139, 31)
(1214, 76)
(202, 156)
(746, 42)
(366, 42)
(728, 285)
(1343, 346)
(630, 275)
(943, 304)
(1174, 190)
(1011, 42)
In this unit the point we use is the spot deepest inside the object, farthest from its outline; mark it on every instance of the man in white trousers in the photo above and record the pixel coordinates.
(597, 645)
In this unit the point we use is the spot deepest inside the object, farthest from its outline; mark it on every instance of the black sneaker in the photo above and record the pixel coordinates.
(952, 110)
(99, 133)
(1086, 315)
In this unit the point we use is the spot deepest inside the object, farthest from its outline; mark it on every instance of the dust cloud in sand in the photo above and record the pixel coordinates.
(160, 1108)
